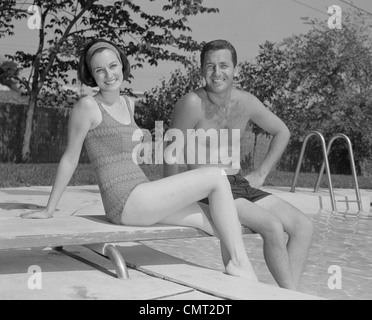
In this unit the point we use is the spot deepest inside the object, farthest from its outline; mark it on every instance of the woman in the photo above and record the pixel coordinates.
(105, 123)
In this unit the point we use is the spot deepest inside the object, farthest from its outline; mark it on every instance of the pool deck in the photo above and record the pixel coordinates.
(76, 273)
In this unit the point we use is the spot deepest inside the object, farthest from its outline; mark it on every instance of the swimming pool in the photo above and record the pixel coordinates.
(341, 254)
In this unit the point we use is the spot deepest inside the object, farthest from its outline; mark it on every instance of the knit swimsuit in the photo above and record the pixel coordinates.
(109, 147)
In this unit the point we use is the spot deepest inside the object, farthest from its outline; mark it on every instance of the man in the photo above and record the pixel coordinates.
(219, 106)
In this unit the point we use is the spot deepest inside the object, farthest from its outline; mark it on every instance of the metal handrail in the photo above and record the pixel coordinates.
(352, 163)
(324, 150)
(111, 252)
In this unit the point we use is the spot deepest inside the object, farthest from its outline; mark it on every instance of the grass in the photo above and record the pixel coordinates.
(19, 175)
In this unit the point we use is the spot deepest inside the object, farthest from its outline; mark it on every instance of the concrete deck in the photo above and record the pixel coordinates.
(78, 273)
(314, 202)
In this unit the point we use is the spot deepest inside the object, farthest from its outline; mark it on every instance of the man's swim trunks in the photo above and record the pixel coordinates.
(240, 188)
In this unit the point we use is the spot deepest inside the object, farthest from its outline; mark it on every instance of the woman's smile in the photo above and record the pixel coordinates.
(111, 82)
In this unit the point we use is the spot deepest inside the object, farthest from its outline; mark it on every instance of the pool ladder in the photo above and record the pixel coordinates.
(325, 165)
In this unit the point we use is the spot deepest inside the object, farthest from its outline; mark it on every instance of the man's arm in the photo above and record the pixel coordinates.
(269, 122)
(186, 115)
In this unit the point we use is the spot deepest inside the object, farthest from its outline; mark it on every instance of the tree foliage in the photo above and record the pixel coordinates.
(159, 102)
(66, 25)
(8, 71)
(319, 81)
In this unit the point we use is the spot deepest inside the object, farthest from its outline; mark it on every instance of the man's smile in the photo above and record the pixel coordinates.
(218, 81)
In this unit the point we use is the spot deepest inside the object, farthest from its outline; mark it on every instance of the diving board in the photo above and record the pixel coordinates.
(79, 221)
(95, 232)
(17, 233)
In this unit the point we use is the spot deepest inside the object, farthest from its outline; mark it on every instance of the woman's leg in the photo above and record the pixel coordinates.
(195, 215)
(152, 202)
(198, 216)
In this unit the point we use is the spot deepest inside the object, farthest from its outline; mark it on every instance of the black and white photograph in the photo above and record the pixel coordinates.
(185, 155)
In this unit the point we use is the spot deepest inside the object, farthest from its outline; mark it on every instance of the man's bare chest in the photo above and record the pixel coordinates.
(233, 117)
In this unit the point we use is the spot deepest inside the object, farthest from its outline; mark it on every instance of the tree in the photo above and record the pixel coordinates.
(321, 80)
(263, 78)
(8, 71)
(331, 86)
(159, 102)
(66, 25)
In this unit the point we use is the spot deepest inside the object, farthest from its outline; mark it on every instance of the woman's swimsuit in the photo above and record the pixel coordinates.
(110, 147)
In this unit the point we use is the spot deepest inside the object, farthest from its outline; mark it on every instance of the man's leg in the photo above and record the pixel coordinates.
(299, 229)
(274, 241)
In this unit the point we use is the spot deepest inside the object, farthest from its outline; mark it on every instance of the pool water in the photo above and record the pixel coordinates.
(339, 264)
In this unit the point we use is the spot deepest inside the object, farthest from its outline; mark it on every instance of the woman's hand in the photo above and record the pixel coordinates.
(39, 214)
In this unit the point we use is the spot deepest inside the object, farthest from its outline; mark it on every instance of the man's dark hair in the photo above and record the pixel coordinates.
(219, 45)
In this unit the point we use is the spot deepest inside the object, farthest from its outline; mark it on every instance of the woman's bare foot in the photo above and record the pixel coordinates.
(43, 214)
(245, 271)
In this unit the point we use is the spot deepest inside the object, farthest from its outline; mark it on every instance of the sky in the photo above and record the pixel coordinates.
(245, 23)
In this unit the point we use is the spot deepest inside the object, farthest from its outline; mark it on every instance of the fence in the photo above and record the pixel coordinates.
(49, 136)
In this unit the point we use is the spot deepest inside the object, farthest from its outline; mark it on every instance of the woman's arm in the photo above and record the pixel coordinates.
(81, 120)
